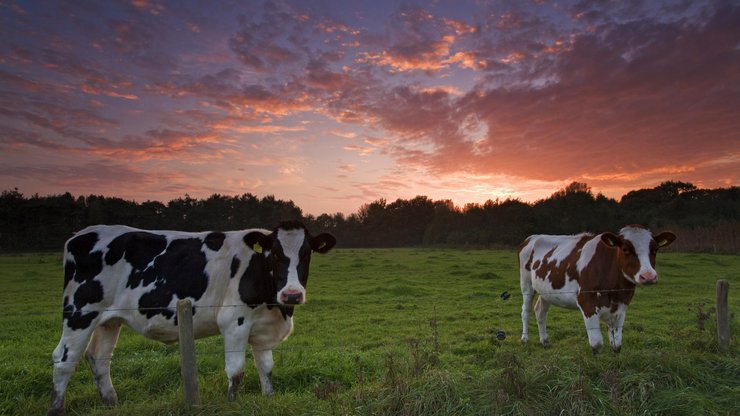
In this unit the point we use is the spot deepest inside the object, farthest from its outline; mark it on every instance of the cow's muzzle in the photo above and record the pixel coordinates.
(291, 298)
(648, 278)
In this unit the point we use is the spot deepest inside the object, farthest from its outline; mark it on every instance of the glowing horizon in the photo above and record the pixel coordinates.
(334, 106)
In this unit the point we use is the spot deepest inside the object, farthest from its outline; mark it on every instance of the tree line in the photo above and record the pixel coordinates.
(704, 219)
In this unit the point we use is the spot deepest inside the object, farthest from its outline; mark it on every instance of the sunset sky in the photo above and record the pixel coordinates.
(333, 104)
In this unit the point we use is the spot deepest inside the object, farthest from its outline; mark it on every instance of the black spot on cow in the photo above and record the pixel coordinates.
(304, 254)
(87, 264)
(89, 292)
(75, 318)
(240, 321)
(279, 264)
(139, 249)
(64, 356)
(69, 272)
(215, 240)
(235, 263)
(82, 244)
(178, 272)
(286, 311)
(257, 286)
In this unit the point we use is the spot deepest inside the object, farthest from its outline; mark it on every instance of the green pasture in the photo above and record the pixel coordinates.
(408, 332)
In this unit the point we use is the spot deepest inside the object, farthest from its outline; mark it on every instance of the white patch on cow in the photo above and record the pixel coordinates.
(540, 246)
(593, 329)
(292, 241)
(269, 327)
(563, 244)
(615, 321)
(587, 253)
(640, 239)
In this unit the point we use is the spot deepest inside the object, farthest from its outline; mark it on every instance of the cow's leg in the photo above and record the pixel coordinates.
(593, 329)
(99, 354)
(66, 356)
(264, 363)
(235, 342)
(616, 322)
(540, 308)
(527, 294)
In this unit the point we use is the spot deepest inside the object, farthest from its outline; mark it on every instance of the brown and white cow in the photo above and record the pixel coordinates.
(243, 285)
(596, 274)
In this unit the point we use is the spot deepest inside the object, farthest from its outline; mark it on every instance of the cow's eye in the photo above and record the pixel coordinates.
(627, 252)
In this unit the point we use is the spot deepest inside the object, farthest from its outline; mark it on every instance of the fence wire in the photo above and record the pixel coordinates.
(499, 334)
(505, 295)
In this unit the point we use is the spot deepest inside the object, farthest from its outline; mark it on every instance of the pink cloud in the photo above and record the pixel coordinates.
(620, 110)
(419, 42)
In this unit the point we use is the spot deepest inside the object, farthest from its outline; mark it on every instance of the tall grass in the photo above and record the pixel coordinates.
(721, 238)
(406, 332)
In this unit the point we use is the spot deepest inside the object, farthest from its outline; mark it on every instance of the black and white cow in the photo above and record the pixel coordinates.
(243, 285)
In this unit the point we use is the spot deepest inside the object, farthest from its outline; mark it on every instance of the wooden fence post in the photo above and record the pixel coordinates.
(188, 367)
(723, 316)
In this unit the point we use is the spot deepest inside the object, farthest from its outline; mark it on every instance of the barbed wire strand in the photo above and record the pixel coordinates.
(355, 348)
(504, 296)
(322, 302)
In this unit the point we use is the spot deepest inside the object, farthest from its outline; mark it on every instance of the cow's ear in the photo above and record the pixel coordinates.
(665, 238)
(611, 240)
(322, 243)
(258, 241)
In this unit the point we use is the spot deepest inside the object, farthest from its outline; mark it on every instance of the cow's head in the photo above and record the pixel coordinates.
(638, 248)
(288, 254)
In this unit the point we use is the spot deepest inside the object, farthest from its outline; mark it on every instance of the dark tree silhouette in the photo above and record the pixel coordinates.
(709, 218)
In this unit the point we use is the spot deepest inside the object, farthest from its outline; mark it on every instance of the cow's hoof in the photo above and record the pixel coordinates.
(110, 400)
(595, 350)
(56, 408)
(56, 411)
(617, 349)
(234, 386)
(545, 344)
(231, 395)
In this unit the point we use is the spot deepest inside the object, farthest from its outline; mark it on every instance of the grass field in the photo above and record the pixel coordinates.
(405, 331)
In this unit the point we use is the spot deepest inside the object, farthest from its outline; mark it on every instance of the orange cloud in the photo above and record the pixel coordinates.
(469, 60)
(461, 28)
(90, 89)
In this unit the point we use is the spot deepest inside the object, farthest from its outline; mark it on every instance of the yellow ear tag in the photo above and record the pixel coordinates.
(322, 245)
(257, 248)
